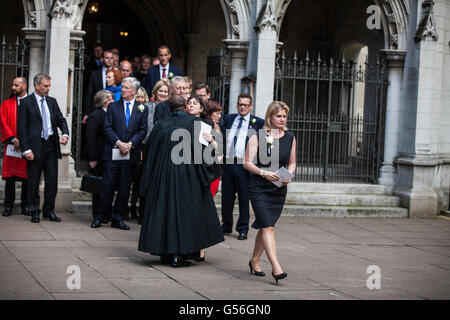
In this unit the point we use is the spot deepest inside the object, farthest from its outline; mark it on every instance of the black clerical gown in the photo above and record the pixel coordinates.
(180, 216)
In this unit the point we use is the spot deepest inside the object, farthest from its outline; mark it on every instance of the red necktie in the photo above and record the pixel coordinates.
(164, 73)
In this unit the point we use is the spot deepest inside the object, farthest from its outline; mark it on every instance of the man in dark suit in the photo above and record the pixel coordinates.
(95, 61)
(235, 178)
(38, 120)
(97, 82)
(125, 128)
(162, 70)
(162, 109)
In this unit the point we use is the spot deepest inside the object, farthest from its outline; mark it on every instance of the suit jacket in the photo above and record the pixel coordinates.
(153, 76)
(95, 134)
(116, 129)
(29, 124)
(228, 123)
(162, 111)
(95, 84)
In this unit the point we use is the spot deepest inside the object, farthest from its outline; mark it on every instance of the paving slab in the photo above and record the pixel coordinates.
(324, 258)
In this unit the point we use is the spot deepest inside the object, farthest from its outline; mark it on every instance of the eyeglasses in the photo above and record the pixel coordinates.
(243, 105)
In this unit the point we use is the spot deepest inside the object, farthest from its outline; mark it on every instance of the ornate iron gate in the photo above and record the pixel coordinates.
(13, 63)
(77, 107)
(337, 115)
(218, 77)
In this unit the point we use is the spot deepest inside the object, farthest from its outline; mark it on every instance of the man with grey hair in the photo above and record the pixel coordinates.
(38, 120)
(125, 128)
(162, 110)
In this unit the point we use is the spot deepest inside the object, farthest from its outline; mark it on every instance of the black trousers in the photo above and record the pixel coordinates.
(10, 192)
(96, 197)
(115, 174)
(235, 179)
(47, 163)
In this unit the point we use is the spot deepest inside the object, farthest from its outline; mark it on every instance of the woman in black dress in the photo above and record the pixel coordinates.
(266, 198)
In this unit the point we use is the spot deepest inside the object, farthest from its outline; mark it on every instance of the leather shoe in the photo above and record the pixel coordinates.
(7, 212)
(96, 223)
(51, 216)
(119, 224)
(35, 217)
(26, 212)
(242, 236)
(179, 263)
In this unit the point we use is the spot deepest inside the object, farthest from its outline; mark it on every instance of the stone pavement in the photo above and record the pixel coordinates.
(324, 258)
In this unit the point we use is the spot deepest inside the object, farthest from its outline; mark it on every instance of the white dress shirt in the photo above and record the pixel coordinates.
(161, 71)
(125, 107)
(47, 112)
(104, 77)
(20, 98)
(49, 121)
(240, 144)
(125, 112)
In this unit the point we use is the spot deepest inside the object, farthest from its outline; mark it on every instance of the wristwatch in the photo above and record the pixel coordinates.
(263, 173)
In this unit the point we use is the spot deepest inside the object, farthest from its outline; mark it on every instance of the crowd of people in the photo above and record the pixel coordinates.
(145, 126)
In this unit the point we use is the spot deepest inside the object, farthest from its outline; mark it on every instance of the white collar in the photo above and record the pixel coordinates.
(166, 67)
(38, 97)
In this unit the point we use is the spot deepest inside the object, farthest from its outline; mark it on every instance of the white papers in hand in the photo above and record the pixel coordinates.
(284, 175)
(116, 155)
(11, 153)
(205, 128)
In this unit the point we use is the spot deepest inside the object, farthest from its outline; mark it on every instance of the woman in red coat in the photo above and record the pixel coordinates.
(13, 168)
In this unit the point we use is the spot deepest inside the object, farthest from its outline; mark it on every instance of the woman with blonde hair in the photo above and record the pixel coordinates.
(268, 199)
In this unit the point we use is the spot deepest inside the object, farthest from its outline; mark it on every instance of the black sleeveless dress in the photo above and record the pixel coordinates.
(266, 198)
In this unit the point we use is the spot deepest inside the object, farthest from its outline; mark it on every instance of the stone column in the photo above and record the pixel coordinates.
(266, 30)
(36, 39)
(58, 68)
(395, 64)
(238, 51)
(192, 63)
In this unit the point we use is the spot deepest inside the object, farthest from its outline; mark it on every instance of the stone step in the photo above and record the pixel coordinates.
(342, 200)
(304, 211)
(344, 212)
(310, 187)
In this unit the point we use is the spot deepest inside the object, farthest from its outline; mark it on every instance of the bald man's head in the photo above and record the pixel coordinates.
(177, 103)
(126, 68)
(19, 87)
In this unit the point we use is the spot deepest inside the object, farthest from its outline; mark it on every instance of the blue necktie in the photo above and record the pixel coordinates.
(127, 119)
(241, 119)
(44, 120)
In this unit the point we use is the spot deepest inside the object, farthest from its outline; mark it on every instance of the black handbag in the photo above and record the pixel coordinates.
(91, 183)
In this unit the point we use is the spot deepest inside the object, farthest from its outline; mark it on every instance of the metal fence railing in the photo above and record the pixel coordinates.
(337, 115)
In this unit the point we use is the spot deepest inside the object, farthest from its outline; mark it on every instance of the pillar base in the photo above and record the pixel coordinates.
(417, 178)
(388, 174)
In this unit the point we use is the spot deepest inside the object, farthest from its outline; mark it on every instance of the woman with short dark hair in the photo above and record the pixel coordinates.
(95, 136)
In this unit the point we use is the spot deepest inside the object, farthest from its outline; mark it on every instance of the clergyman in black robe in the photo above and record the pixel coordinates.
(180, 216)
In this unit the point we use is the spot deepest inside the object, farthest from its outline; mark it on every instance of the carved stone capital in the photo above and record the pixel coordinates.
(61, 8)
(426, 30)
(267, 19)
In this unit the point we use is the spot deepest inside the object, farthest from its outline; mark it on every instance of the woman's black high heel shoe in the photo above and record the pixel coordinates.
(256, 273)
(279, 276)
